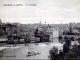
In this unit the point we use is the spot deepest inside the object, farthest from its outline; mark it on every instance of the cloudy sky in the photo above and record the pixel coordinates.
(51, 11)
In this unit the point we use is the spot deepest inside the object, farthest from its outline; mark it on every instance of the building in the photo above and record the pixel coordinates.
(54, 34)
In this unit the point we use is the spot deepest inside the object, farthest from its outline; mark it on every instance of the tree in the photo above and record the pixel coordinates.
(65, 48)
(73, 53)
(67, 40)
(60, 37)
(72, 38)
(53, 53)
(67, 44)
(36, 33)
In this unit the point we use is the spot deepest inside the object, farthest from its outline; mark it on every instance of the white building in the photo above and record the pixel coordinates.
(54, 34)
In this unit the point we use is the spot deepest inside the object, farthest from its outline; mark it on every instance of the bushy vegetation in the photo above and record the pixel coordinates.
(53, 53)
(68, 52)
(43, 37)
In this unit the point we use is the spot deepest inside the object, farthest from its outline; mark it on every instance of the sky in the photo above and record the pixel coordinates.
(49, 11)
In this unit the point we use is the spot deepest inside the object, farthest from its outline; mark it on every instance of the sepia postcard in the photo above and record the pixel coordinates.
(39, 29)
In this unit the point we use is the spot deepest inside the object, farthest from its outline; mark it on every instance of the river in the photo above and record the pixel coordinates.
(20, 51)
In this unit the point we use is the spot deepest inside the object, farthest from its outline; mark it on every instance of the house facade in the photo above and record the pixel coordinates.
(54, 34)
